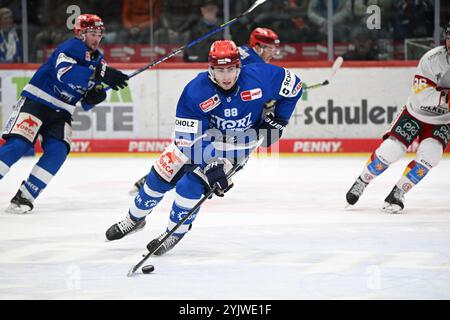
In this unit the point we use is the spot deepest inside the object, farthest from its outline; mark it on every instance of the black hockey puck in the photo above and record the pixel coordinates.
(148, 268)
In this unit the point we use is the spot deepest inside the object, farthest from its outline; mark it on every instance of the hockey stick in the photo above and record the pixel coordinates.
(185, 218)
(194, 42)
(336, 65)
(231, 173)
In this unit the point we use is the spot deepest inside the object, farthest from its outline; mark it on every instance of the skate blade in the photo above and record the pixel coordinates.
(15, 209)
(391, 209)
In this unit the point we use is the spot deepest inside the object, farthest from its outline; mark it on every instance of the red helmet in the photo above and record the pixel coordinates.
(87, 22)
(263, 36)
(224, 53)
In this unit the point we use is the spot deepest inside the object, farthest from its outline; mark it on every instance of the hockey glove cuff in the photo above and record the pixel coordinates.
(271, 129)
(214, 175)
(112, 77)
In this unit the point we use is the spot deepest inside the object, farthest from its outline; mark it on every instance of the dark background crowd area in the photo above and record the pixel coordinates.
(177, 22)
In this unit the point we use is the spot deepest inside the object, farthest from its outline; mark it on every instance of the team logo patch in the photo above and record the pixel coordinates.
(186, 125)
(210, 104)
(63, 58)
(87, 56)
(27, 125)
(288, 84)
(253, 94)
(297, 89)
(407, 186)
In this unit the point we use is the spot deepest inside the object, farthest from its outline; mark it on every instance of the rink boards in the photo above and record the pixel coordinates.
(348, 116)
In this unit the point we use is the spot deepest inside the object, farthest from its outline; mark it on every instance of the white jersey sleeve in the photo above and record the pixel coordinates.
(425, 102)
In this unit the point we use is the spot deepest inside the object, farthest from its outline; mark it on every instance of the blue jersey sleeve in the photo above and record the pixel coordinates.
(69, 68)
(191, 124)
(249, 56)
(86, 106)
(286, 89)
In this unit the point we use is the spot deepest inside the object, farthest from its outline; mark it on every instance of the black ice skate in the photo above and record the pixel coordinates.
(122, 228)
(166, 246)
(137, 185)
(19, 204)
(356, 191)
(394, 202)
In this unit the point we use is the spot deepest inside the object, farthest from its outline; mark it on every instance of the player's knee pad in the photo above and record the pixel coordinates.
(387, 153)
(170, 166)
(156, 183)
(13, 149)
(390, 151)
(429, 153)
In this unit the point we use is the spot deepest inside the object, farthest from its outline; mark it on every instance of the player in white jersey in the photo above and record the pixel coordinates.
(426, 116)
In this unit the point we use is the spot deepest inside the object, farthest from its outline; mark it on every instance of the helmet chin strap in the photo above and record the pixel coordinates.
(82, 36)
(260, 51)
(211, 75)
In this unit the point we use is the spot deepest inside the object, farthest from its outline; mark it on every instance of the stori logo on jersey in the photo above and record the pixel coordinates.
(236, 125)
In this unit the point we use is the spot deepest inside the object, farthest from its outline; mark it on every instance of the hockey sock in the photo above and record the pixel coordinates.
(11, 152)
(412, 175)
(148, 197)
(373, 168)
(55, 154)
(180, 207)
(429, 153)
(188, 193)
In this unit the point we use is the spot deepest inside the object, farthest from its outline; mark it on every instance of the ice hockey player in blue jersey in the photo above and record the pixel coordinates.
(73, 73)
(219, 118)
(263, 45)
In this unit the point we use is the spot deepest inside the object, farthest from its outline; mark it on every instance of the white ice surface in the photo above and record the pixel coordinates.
(280, 233)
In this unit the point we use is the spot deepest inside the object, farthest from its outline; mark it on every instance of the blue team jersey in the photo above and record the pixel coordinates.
(203, 105)
(66, 76)
(248, 56)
